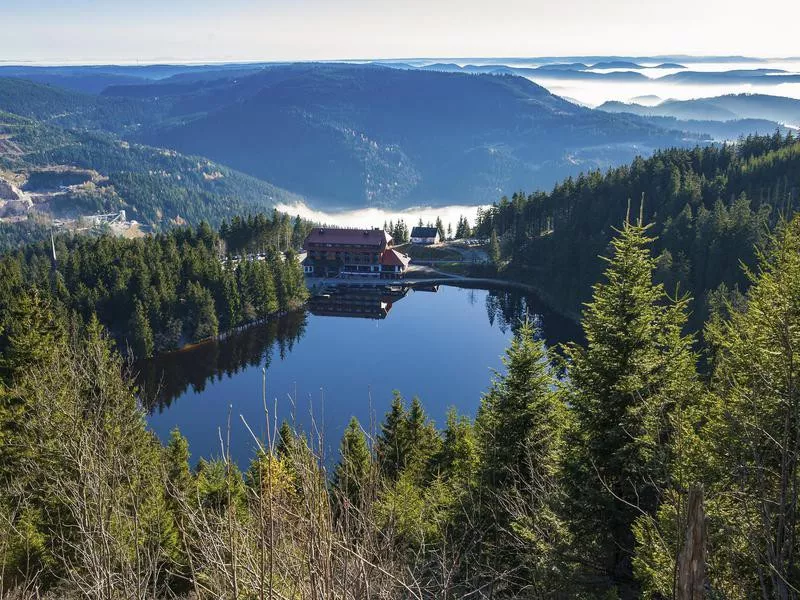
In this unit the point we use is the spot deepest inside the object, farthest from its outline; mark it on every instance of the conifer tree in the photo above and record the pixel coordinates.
(141, 333)
(753, 423)
(178, 473)
(440, 229)
(353, 471)
(494, 249)
(286, 437)
(624, 385)
(520, 426)
(421, 439)
(202, 320)
(457, 459)
(391, 447)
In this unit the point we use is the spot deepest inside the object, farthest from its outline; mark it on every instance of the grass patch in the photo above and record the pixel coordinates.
(429, 252)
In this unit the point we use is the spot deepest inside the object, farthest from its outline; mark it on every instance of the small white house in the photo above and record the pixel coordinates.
(425, 235)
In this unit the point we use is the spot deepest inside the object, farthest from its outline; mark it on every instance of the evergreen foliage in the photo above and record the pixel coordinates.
(574, 480)
(159, 292)
(710, 207)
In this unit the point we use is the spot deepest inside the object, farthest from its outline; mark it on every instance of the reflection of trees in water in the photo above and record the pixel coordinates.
(508, 309)
(167, 377)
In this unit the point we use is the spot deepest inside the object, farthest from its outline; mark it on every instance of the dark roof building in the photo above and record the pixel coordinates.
(352, 253)
(323, 236)
(424, 235)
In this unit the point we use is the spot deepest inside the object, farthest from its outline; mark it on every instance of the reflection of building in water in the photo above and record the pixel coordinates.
(359, 302)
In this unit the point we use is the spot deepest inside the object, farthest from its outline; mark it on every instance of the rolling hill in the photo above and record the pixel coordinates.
(720, 108)
(155, 186)
(348, 135)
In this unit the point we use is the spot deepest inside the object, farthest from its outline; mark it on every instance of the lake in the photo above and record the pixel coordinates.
(344, 356)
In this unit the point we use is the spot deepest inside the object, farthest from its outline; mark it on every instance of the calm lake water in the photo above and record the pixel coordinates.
(342, 357)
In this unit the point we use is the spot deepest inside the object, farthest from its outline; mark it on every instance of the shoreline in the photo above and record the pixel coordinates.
(443, 278)
(228, 333)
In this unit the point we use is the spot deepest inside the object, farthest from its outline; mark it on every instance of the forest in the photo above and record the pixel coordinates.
(612, 468)
(160, 188)
(160, 292)
(711, 207)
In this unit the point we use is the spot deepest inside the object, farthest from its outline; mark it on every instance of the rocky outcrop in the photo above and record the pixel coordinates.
(8, 191)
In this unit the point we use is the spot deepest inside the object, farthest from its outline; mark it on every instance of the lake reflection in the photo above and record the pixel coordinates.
(440, 345)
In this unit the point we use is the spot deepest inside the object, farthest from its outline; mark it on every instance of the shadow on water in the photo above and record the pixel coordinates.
(166, 378)
(507, 309)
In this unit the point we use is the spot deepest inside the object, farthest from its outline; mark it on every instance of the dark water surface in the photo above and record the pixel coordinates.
(343, 357)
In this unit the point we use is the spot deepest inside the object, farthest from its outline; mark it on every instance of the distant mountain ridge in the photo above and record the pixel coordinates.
(395, 134)
(377, 136)
(720, 108)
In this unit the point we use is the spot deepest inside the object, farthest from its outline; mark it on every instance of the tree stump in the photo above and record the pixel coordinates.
(691, 575)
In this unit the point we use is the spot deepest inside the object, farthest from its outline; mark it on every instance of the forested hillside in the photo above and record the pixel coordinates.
(157, 187)
(160, 292)
(375, 136)
(720, 108)
(75, 110)
(369, 135)
(710, 207)
(630, 476)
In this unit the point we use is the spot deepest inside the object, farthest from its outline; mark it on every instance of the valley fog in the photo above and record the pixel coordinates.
(375, 217)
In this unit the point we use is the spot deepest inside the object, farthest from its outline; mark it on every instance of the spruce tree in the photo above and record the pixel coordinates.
(141, 333)
(391, 447)
(753, 423)
(494, 249)
(421, 439)
(440, 229)
(457, 459)
(352, 474)
(286, 437)
(520, 427)
(624, 385)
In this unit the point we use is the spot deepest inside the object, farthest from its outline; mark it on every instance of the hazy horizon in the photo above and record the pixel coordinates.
(696, 59)
(149, 31)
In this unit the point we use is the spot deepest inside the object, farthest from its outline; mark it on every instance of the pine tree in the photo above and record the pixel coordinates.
(494, 249)
(457, 459)
(623, 388)
(520, 425)
(353, 471)
(201, 322)
(421, 439)
(391, 447)
(286, 438)
(440, 229)
(141, 341)
(753, 421)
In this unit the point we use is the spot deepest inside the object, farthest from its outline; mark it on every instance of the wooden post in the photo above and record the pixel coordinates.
(691, 575)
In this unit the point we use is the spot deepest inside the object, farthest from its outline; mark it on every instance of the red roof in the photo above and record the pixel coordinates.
(392, 257)
(365, 237)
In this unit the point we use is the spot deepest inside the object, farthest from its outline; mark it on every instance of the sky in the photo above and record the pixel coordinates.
(64, 31)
